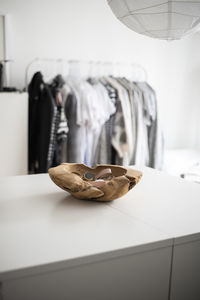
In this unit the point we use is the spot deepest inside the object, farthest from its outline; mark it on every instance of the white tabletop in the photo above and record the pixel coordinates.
(44, 228)
(168, 203)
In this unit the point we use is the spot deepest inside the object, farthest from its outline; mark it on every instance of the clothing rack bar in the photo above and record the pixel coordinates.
(86, 62)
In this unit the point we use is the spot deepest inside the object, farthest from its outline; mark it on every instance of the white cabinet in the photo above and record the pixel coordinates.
(141, 276)
(143, 246)
(185, 283)
(13, 133)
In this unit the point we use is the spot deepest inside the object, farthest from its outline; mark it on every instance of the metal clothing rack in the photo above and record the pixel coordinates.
(51, 67)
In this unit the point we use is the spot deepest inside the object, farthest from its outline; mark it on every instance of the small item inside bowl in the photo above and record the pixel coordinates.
(89, 176)
(104, 174)
(97, 183)
(98, 180)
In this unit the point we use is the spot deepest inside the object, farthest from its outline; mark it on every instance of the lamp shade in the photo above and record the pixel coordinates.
(167, 20)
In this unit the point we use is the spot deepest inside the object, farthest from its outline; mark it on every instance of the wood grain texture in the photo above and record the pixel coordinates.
(111, 182)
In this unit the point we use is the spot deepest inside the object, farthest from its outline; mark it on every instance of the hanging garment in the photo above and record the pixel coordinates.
(76, 143)
(105, 108)
(45, 136)
(34, 91)
(155, 135)
(44, 114)
(62, 136)
(126, 85)
(86, 118)
(59, 129)
(122, 139)
(141, 149)
(44, 119)
(52, 159)
(156, 139)
(105, 153)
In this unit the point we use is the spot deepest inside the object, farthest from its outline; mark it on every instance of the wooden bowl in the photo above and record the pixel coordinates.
(100, 183)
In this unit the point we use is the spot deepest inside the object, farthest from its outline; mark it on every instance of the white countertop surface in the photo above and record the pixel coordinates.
(168, 203)
(44, 228)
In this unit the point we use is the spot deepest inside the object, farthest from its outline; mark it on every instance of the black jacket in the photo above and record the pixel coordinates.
(44, 118)
(41, 108)
(34, 91)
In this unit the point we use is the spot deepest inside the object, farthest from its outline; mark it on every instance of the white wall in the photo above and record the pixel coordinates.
(77, 29)
(2, 38)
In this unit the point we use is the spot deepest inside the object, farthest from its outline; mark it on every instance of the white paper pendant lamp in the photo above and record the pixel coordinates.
(167, 20)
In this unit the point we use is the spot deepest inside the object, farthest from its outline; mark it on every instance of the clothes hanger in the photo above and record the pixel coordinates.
(74, 69)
